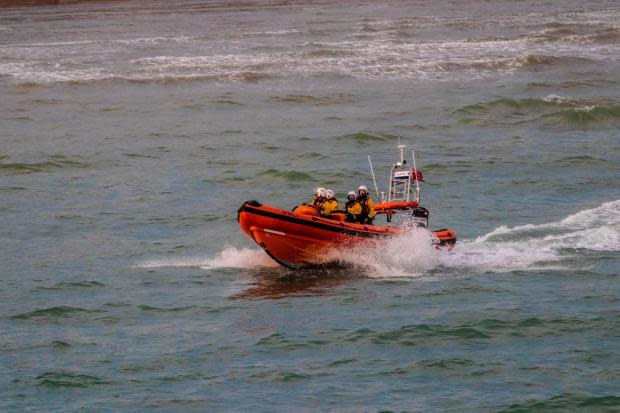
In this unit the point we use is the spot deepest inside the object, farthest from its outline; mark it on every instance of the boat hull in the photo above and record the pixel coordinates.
(296, 240)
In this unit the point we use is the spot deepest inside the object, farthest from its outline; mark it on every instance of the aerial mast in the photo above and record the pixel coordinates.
(415, 175)
(402, 148)
(373, 177)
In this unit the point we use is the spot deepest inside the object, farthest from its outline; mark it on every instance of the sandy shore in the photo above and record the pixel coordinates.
(17, 3)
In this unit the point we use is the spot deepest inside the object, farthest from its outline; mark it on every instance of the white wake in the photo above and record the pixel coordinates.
(525, 247)
(533, 246)
(410, 254)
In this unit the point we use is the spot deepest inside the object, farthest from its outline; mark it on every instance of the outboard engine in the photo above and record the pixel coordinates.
(420, 217)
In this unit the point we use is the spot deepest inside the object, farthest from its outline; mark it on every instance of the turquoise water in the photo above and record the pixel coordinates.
(132, 131)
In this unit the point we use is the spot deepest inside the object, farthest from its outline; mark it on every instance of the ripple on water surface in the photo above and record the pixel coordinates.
(56, 314)
(54, 162)
(426, 334)
(61, 378)
(567, 402)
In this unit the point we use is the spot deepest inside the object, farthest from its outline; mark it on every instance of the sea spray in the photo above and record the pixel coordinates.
(410, 253)
(229, 257)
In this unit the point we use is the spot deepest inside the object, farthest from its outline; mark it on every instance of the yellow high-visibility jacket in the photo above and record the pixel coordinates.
(353, 208)
(368, 207)
(330, 206)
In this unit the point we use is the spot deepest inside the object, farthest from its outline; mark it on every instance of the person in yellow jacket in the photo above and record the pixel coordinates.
(352, 208)
(331, 203)
(367, 215)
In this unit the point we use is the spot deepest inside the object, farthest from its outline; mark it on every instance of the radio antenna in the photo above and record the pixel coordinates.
(373, 176)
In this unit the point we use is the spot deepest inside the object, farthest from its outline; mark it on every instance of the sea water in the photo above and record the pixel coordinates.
(132, 131)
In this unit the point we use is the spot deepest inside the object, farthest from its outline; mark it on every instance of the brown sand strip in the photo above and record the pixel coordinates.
(17, 3)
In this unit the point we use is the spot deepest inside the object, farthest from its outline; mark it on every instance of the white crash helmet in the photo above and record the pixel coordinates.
(362, 188)
(320, 192)
(329, 193)
(351, 195)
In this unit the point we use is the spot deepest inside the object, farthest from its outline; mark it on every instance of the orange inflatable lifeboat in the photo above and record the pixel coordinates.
(303, 237)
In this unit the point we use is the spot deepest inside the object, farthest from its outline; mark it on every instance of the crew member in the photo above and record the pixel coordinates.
(368, 207)
(352, 208)
(320, 199)
(331, 203)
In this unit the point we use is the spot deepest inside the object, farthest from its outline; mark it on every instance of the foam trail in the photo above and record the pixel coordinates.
(525, 247)
(497, 257)
(532, 246)
(230, 257)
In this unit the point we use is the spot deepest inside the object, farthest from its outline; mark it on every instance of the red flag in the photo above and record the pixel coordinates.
(417, 176)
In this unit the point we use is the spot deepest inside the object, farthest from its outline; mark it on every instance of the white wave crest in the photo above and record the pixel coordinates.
(553, 98)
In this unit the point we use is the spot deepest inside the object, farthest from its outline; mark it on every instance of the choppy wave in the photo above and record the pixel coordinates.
(292, 176)
(53, 162)
(570, 84)
(607, 35)
(365, 137)
(421, 334)
(73, 285)
(63, 378)
(566, 402)
(551, 101)
(583, 160)
(553, 110)
(584, 116)
(279, 376)
(377, 54)
(312, 100)
(155, 70)
(311, 155)
(54, 313)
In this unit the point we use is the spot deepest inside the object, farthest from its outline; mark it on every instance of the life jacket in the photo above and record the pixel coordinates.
(365, 208)
(349, 204)
(368, 208)
(318, 202)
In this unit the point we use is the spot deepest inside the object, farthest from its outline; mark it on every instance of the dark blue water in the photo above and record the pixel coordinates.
(130, 133)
